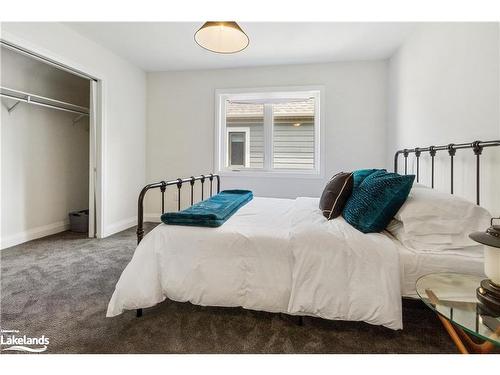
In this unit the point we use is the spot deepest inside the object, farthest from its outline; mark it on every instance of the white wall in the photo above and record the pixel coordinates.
(124, 94)
(443, 88)
(45, 158)
(180, 121)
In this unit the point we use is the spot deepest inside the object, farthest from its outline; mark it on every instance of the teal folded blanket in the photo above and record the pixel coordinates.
(212, 212)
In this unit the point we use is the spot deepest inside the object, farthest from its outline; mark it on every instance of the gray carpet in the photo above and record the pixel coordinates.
(59, 286)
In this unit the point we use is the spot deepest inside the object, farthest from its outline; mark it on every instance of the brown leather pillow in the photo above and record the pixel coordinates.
(335, 195)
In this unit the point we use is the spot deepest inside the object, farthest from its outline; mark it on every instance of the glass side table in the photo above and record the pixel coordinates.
(453, 297)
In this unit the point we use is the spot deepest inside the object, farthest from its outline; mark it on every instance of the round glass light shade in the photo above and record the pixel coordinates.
(492, 263)
(491, 241)
(221, 37)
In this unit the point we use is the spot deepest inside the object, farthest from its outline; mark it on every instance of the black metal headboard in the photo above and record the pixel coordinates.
(476, 146)
(162, 185)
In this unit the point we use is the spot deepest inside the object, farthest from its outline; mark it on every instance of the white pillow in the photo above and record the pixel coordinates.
(430, 220)
(434, 242)
(428, 211)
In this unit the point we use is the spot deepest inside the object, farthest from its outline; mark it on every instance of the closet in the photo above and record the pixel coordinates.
(46, 121)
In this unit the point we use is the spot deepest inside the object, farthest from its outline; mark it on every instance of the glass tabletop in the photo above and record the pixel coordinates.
(453, 296)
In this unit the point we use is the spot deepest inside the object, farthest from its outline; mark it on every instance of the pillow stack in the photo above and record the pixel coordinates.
(433, 221)
(371, 203)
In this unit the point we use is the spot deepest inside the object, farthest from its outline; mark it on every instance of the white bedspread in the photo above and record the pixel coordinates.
(276, 255)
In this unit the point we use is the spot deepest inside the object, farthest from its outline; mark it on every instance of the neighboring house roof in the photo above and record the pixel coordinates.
(302, 108)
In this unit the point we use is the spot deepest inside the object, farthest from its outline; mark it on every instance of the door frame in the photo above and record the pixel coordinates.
(96, 134)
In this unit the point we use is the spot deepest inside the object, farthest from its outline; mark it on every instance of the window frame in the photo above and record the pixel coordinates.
(239, 129)
(220, 149)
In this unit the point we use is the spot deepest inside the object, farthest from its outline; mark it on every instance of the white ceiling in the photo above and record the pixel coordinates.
(162, 46)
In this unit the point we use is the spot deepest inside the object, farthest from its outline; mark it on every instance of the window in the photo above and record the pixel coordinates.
(293, 135)
(268, 133)
(238, 139)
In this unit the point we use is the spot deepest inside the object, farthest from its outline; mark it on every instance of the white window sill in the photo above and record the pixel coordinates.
(273, 174)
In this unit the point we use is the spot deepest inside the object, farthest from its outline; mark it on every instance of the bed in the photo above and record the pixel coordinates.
(283, 256)
(273, 256)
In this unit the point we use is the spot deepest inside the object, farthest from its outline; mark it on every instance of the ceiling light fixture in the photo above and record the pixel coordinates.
(221, 37)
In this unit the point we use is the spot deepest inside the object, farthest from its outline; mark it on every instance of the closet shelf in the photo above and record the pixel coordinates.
(25, 97)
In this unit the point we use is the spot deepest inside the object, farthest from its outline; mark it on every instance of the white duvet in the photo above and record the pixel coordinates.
(277, 255)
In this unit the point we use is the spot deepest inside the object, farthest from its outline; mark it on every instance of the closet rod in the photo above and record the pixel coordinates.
(46, 60)
(39, 100)
(43, 104)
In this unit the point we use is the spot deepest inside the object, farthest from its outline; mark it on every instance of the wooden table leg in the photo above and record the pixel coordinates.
(454, 335)
(463, 342)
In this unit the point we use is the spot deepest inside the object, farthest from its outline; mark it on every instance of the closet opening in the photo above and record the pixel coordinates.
(49, 160)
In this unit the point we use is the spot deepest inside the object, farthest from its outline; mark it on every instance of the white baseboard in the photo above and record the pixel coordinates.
(129, 223)
(119, 226)
(61, 226)
(34, 233)
(152, 218)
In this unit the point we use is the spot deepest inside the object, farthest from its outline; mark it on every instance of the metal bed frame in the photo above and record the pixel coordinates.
(476, 146)
(461, 339)
(162, 185)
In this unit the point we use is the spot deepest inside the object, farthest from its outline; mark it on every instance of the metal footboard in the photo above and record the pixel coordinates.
(162, 185)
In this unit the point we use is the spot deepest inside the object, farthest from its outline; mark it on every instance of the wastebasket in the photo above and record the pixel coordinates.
(79, 221)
